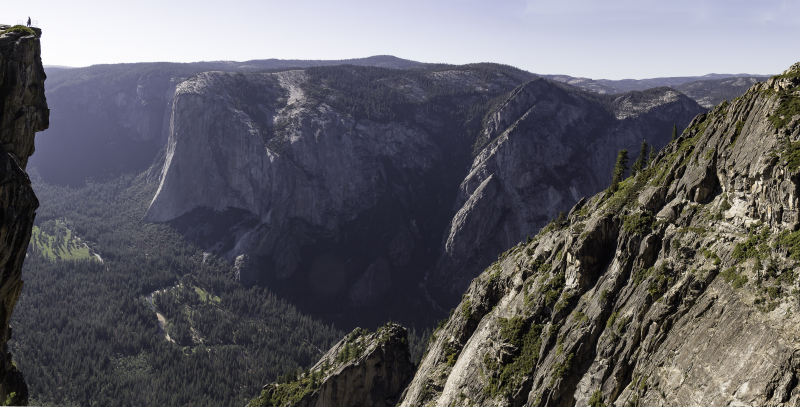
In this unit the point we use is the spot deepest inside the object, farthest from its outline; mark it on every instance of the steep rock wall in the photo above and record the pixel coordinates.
(364, 194)
(551, 147)
(24, 112)
(679, 289)
(292, 170)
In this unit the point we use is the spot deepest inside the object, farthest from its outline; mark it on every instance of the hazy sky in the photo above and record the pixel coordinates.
(611, 39)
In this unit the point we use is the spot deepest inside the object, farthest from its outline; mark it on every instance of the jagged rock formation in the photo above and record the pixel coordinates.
(24, 112)
(551, 146)
(316, 165)
(363, 369)
(298, 154)
(677, 289)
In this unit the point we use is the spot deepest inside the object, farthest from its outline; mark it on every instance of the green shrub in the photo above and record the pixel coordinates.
(773, 292)
(638, 223)
(732, 276)
(580, 317)
(561, 368)
(752, 247)
(737, 132)
(466, 309)
(555, 224)
(597, 399)
(451, 353)
(725, 205)
(789, 106)
(512, 330)
(791, 154)
(791, 241)
(612, 319)
(709, 254)
(528, 341)
(20, 29)
(552, 290)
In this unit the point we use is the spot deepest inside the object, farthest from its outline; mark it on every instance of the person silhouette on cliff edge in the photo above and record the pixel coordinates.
(29, 21)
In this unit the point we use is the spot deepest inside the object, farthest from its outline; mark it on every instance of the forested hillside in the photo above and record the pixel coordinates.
(84, 332)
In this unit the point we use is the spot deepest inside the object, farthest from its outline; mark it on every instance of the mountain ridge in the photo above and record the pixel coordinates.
(675, 288)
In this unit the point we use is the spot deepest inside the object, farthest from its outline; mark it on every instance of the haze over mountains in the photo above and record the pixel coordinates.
(239, 214)
(250, 162)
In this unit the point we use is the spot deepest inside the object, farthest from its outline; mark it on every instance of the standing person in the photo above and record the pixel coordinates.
(29, 21)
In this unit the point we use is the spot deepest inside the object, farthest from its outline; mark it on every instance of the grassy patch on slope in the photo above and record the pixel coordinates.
(58, 246)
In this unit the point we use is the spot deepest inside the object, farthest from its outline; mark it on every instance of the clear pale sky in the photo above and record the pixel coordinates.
(611, 39)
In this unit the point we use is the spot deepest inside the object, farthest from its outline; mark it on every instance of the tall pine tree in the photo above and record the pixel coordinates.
(674, 132)
(641, 160)
(619, 170)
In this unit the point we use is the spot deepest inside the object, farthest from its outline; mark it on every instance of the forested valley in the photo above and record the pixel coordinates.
(86, 330)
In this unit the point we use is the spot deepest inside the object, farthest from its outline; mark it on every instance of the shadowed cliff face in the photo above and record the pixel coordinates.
(678, 289)
(305, 190)
(24, 112)
(551, 147)
(348, 206)
(106, 120)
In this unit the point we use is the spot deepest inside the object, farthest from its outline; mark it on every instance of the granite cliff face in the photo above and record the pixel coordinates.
(318, 186)
(289, 174)
(363, 369)
(550, 148)
(678, 289)
(113, 119)
(24, 112)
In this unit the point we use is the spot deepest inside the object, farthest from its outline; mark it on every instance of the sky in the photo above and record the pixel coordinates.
(611, 39)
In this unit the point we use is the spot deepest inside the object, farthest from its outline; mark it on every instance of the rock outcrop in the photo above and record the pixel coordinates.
(114, 119)
(24, 112)
(319, 158)
(678, 289)
(295, 150)
(363, 369)
(551, 147)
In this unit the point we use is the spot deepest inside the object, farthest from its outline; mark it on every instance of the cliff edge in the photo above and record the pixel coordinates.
(363, 369)
(678, 288)
(24, 112)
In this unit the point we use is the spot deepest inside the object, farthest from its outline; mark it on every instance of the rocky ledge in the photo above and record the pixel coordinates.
(363, 369)
(24, 112)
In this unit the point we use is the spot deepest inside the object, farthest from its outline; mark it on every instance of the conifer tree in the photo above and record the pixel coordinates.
(652, 155)
(619, 169)
(641, 160)
(674, 132)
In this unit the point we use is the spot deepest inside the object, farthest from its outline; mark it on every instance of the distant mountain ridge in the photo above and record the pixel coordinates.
(381, 61)
(625, 85)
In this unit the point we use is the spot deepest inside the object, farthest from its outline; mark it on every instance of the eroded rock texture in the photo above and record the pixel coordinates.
(679, 289)
(366, 370)
(24, 112)
(551, 147)
(292, 176)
